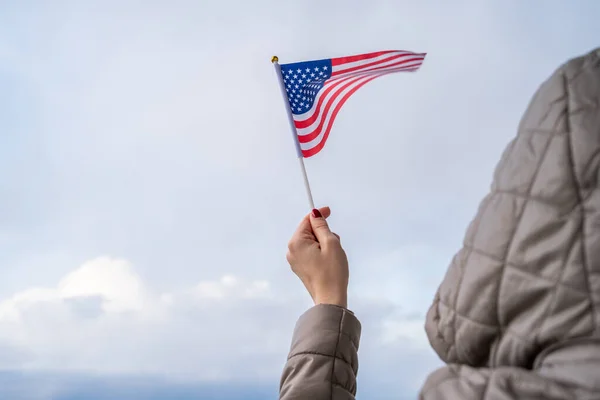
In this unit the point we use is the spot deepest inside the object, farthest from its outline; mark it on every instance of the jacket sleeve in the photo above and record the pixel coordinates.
(507, 383)
(323, 360)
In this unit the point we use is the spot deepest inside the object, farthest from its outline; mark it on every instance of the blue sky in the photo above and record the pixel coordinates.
(148, 182)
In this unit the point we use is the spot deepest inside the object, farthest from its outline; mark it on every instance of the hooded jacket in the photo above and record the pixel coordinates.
(517, 315)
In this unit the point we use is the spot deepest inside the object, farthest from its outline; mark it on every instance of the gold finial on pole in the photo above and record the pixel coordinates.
(274, 59)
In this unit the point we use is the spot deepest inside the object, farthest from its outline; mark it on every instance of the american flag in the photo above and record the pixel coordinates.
(316, 90)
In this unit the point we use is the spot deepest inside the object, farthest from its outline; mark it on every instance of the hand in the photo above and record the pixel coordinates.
(316, 256)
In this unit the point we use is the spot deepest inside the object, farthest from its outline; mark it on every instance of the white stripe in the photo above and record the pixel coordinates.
(309, 113)
(315, 142)
(408, 67)
(362, 72)
(383, 57)
(413, 65)
(330, 81)
(319, 138)
(383, 65)
(359, 77)
(368, 60)
(327, 99)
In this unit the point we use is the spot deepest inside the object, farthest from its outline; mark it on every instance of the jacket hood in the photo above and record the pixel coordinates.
(528, 275)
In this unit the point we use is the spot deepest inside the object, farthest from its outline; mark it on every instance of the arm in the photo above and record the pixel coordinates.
(323, 360)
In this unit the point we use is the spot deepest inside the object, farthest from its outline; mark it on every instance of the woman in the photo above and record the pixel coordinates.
(517, 315)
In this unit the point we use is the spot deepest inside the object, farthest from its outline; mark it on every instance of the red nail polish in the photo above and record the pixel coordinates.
(316, 213)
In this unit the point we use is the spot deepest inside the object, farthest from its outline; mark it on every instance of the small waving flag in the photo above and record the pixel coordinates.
(317, 90)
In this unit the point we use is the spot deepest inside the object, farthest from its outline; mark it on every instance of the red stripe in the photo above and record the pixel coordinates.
(417, 58)
(314, 150)
(359, 67)
(309, 121)
(349, 59)
(312, 135)
(311, 152)
(405, 68)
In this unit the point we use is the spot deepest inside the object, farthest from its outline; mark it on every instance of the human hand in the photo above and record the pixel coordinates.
(318, 259)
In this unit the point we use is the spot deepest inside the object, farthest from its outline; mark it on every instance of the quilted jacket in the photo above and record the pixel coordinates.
(517, 315)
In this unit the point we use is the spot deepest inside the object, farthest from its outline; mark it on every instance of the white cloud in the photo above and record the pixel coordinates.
(113, 280)
(103, 317)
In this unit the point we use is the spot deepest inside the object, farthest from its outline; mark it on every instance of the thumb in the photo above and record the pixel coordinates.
(319, 226)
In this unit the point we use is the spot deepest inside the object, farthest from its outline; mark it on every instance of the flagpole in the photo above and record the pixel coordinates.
(275, 61)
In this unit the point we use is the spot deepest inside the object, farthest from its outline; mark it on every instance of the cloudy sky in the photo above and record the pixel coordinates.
(149, 185)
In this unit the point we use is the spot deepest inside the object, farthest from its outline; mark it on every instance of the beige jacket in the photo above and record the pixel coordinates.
(517, 315)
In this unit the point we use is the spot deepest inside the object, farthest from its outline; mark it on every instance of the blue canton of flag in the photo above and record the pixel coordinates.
(303, 81)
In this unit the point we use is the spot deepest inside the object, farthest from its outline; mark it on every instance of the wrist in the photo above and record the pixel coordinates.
(340, 300)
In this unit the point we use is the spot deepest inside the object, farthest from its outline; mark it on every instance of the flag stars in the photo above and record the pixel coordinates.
(303, 81)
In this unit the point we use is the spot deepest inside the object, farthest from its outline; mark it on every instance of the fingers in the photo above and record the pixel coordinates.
(304, 228)
(304, 233)
(320, 227)
(325, 212)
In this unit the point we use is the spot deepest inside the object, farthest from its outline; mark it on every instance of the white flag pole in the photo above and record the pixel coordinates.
(275, 61)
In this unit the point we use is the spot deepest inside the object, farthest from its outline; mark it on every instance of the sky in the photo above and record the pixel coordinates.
(149, 184)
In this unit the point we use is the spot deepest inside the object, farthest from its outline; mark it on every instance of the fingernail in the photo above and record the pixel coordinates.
(316, 213)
